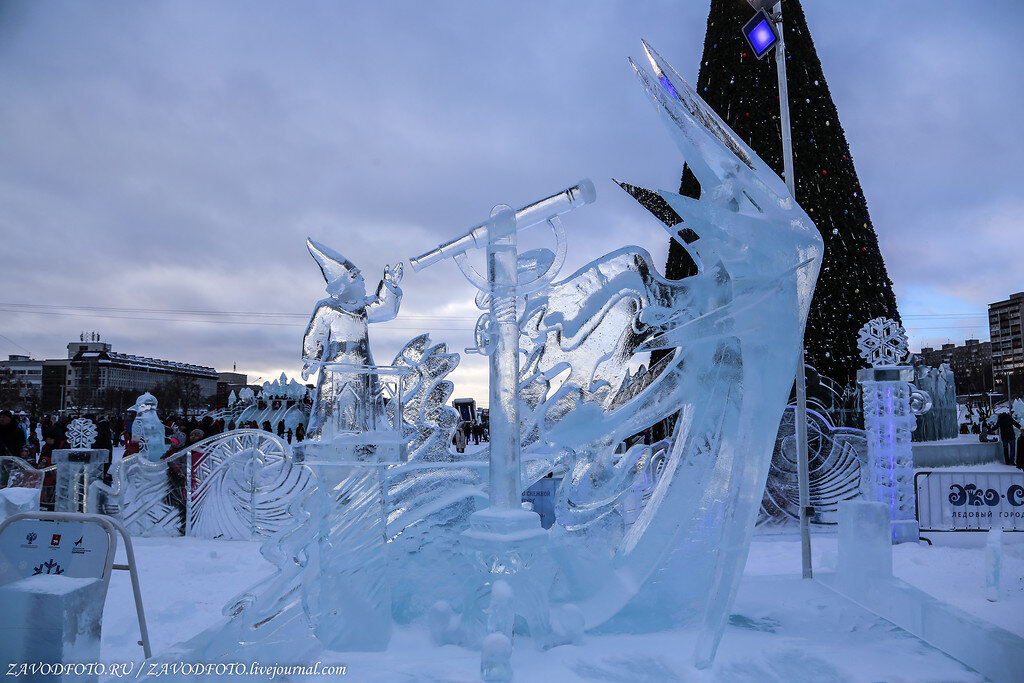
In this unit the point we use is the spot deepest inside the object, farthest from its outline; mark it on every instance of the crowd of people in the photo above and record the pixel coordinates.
(476, 431)
(33, 438)
(1003, 428)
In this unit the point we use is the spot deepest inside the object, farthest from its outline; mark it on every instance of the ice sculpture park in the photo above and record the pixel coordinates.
(375, 526)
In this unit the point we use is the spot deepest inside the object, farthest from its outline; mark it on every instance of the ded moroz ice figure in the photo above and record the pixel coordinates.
(337, 337)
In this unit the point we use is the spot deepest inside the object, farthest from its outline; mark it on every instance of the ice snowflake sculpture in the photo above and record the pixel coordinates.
(81, 433)
(882, 342)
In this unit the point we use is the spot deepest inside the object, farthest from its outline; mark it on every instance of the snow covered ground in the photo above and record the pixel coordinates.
(782, 628)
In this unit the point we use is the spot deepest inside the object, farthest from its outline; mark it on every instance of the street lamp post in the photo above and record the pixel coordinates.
(764, 32)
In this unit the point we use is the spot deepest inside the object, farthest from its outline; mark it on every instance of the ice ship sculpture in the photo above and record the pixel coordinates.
(733, 331)
(395, 535)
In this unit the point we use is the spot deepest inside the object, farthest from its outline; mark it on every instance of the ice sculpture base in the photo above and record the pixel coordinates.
(905, 531)
(53, 619)
(349, 605)
(864, 547)
(504, 540)
(77, 468)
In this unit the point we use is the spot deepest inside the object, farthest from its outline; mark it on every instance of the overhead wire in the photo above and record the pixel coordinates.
(195, 315)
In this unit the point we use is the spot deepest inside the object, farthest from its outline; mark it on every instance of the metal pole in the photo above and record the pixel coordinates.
(803, 477)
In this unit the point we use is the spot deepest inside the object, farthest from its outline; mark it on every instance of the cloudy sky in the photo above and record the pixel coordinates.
(163, 162)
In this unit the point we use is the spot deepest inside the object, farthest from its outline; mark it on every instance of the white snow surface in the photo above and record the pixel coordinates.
(782, 628)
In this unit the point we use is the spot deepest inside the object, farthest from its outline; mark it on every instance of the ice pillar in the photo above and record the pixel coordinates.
(504, 535)
(505, 478)
(993, 563)
(889, 421)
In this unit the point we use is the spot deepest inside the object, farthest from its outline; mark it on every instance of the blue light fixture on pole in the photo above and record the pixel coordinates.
(760, 33)
(764, 33)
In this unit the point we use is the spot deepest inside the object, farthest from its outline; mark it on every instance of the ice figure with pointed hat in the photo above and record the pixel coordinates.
(337, 337)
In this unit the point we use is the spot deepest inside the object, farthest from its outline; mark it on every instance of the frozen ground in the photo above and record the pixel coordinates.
(782, 628)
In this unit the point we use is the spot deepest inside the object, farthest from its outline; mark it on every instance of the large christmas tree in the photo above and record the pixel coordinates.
(853, 286)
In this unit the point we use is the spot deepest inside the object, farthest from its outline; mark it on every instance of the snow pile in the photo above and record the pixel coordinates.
(15, 499)
(781, 629)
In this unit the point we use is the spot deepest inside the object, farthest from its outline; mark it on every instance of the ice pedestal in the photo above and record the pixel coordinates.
(350, 605)
(889, 422)
(77, 468)
(52, 619)
(865, 551)
(503, 541)
(505, 545)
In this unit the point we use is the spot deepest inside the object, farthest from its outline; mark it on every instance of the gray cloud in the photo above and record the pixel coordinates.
(174, 156)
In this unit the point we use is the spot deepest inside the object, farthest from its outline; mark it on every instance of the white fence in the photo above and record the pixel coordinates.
(970, 501)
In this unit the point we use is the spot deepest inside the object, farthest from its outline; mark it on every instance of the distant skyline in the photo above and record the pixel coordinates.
(165, 161)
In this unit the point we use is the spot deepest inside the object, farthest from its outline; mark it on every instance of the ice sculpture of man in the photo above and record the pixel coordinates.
(337, 333)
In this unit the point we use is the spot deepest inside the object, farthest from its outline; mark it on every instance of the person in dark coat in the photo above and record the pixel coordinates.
(12, 438)
(104, 442)
(1020, 451)
(1005, 424)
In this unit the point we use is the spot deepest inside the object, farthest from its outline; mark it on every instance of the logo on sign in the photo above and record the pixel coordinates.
(974, 495)
(55, 541)
(30, 540)
(78, 549)
(966, 500)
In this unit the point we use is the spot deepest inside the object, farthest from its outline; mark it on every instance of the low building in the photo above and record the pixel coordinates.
(94, 377)
(21, 382)
(228, 382)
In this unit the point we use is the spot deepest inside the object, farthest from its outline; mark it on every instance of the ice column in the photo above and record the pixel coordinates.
(993, 563)
(504, 539)
(889, 419)
(889, 422)
(504, 534)
(504, 361)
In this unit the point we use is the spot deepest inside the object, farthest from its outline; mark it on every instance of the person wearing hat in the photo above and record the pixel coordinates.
(338, 333)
